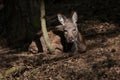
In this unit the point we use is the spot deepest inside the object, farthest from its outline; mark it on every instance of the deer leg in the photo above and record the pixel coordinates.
(75, 47)
(82, 47)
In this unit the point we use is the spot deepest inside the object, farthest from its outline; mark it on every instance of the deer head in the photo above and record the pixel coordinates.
(69, 27)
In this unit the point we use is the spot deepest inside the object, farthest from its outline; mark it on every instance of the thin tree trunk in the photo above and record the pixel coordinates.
(44, 30)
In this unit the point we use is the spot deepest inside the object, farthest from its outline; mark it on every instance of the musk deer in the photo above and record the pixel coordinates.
(55, 43)
(33, 47)
(71, 32)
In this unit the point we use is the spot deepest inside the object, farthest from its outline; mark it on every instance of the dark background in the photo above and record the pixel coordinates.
(20, 19)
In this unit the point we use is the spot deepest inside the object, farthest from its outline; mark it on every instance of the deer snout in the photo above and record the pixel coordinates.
(70, 39)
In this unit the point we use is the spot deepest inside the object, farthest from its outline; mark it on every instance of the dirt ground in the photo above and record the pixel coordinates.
(101, 61)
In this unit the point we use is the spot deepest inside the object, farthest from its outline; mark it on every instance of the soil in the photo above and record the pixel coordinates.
(101, 61)
(19, 21)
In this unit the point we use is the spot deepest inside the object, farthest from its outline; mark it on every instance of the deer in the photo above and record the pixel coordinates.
(70, 29)
(33, 47)
(55, 43)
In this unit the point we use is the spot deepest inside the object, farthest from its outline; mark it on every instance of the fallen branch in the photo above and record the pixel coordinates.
(12, 71)
(33, 73)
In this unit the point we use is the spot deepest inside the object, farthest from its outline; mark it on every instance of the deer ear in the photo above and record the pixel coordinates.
(74, 17)
(61, 19)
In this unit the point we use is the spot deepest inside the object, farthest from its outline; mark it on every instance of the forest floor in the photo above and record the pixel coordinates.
(100, 62)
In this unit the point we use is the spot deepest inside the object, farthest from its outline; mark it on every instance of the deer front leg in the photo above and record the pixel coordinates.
(79, 47)
(82, 47)
(75, 47)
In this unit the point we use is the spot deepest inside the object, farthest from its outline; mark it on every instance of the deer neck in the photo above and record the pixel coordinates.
(78, 42)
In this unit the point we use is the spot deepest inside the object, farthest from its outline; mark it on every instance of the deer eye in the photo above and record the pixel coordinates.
(74, 29)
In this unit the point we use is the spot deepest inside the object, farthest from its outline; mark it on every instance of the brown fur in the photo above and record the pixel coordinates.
(55, 43)
(33, 47)
(71, 33)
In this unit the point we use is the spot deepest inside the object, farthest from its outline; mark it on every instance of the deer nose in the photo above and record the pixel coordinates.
(71, 39)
